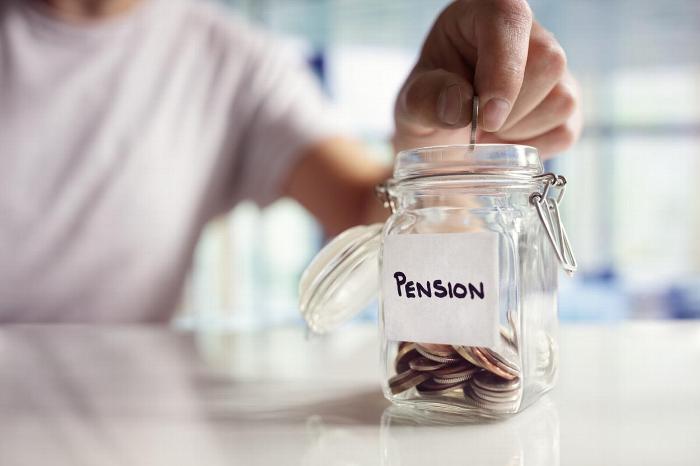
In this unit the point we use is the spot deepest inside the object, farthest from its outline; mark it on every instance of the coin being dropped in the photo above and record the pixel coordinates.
(423, 364)
(432, 388)
(405, 380)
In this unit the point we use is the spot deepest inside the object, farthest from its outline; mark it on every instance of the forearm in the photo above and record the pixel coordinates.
(335, 180)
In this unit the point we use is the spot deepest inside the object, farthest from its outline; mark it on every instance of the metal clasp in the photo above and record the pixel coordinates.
(383, 192)
(548, 211)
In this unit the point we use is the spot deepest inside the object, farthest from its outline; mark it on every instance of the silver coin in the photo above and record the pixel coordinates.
(508, 337)
(424, 364)
(451, 380)
(430, 387)
(475, 119)
(437, 358)
(491, 364)
(437, 349)
(466, 353)
(491, 382)
(502, 361)
(454, 368)
(497, 407)
(496, 397)
(455, 375)
(514, 327)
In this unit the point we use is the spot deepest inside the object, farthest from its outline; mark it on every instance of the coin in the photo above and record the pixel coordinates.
(509, 338)
(424, 364)
(435, 357)
(404, 356)
(466, 353)
(433, 388)
(511, 316)
(493, 398)
(491, 364)
(405, 380)
(444, 351)
(496, 407)
(455, 377)
(502, 360)
(454, 368)
(491, 382)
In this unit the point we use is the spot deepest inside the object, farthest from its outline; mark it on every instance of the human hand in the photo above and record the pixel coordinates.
(495, 49)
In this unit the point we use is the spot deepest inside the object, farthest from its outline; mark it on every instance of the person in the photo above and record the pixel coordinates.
(128, 124)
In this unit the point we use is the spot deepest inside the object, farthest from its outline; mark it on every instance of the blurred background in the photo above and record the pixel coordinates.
(632, 207)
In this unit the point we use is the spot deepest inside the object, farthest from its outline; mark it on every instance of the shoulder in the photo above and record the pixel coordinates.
(218, 26)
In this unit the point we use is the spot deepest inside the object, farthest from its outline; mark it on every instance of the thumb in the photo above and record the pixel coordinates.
(435, 99)
(502, 30)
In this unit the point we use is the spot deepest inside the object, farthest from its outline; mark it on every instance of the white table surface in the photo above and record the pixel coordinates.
(77, 395)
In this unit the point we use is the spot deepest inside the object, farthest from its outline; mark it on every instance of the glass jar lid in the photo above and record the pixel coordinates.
(342, 279)
(481, 159)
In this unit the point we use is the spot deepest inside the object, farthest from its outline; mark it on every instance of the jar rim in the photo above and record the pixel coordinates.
(468, 159)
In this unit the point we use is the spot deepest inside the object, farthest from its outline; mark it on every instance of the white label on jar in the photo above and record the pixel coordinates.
(441, 288)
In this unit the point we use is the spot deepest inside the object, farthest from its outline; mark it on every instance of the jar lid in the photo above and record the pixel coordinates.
(478, 159)
(342, 279)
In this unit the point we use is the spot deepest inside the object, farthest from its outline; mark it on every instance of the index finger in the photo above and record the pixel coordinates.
(502, 33)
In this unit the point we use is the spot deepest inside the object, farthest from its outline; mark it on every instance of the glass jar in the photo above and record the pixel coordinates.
(467, 268)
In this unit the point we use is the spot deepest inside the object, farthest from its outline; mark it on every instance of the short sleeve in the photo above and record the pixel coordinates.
(286, 112)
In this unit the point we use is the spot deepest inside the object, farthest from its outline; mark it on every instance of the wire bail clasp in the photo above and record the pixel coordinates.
(548, 211)
(383, 192)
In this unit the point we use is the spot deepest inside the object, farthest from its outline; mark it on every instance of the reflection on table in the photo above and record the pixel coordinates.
(73, 395)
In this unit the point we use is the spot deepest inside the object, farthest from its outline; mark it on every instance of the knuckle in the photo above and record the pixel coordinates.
(567, 136)
(565, 100)
(516, 12)
(549, 55)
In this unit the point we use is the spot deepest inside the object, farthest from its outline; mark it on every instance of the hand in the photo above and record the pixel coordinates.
(515, 66)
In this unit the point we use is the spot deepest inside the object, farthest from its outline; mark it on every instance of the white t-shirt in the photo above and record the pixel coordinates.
(120, 139)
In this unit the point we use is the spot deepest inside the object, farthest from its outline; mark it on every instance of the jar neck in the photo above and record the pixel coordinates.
(454, 191)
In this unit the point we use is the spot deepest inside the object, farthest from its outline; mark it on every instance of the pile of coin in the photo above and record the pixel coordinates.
(480, 376)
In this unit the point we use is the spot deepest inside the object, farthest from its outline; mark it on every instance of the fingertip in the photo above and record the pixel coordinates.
(495, 112)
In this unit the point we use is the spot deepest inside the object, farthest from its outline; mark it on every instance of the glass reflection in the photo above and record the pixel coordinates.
(531, 438)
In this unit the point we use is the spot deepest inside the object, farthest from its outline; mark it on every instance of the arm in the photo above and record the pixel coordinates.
(335, 180)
